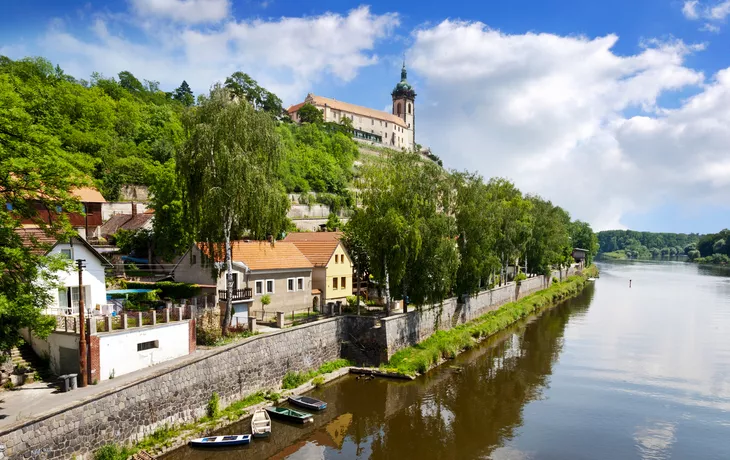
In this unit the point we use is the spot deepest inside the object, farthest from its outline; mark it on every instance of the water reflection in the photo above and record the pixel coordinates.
(643, 373)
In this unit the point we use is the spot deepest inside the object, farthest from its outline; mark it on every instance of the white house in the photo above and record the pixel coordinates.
(65, 298)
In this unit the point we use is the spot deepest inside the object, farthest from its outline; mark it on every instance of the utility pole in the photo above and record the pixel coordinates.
(81, 264)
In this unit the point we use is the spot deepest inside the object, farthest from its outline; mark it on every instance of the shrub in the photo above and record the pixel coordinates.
(214, 409)
(112, 452)
(265, 300)
(520, 277)
(555, 280)
(318, 381)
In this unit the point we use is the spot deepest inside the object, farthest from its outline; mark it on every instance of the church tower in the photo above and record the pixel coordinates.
(404, 103)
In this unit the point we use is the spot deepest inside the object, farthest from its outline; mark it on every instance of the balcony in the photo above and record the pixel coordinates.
(238, 294)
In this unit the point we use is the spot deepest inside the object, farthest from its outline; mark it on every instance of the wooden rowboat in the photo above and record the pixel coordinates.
(260, 424)
(290, 414)
(309, 403)
(221, 441)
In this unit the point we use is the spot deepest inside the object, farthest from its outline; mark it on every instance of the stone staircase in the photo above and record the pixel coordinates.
(26, 357)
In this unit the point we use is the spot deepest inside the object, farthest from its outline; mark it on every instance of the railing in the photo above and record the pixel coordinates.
(238, 294)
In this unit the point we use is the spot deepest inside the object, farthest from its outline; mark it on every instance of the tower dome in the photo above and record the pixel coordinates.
(403, 89)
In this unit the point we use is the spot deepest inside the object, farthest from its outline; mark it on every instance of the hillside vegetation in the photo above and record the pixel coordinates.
(629, 244)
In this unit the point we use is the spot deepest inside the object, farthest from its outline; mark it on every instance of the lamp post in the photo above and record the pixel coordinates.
(81, 264)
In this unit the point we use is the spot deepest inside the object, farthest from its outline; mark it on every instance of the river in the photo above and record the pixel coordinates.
(615, 373)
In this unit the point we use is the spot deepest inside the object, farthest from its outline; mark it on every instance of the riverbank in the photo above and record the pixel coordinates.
(443, 345)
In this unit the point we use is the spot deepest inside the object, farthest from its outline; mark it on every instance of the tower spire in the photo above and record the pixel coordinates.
(403, 72)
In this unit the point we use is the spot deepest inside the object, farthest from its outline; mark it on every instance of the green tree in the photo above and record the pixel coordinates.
(33, 168)
(514, 225)
(582, 236)
(184, 95)
(333, 222)
(308, 113)
(129, 82)
(171, 237)
(477, 223)
(227, 170)
(404, 222)
(550, 238)
(242, 86)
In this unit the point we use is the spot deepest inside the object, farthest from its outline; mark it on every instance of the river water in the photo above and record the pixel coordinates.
(615, 373)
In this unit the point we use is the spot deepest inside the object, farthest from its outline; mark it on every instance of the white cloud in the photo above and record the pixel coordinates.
(568, 118)
(187, 11)
(713, 14)
(286, 55)
(690, 9)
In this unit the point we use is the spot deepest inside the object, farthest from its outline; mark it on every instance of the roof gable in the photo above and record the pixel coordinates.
(318, 247)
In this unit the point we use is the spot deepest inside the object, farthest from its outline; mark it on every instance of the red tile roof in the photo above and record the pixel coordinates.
(262, 255)
(317, 246)
(126, 222)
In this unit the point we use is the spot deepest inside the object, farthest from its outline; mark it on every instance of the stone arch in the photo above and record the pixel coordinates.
(315, 302)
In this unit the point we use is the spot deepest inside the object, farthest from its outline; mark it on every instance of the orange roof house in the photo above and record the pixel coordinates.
(332, 273)
(278, 270)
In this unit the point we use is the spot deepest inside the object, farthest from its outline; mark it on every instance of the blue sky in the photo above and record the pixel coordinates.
(618, 111)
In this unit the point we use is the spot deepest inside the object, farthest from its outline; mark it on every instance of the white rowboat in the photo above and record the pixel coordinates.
(260, 424)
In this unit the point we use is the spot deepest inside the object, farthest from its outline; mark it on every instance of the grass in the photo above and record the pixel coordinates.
(447, 344)
(615, 255)
(295, 379)
(234, 337)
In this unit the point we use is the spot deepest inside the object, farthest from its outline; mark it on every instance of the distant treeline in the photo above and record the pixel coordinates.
(713, 248)
(646, 245)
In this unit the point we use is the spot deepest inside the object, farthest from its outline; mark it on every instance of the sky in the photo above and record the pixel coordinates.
(617, 111)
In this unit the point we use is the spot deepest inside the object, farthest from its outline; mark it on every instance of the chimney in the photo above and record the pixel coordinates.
(134, 209)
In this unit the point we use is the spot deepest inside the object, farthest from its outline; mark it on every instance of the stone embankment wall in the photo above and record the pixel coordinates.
(176, 396)
(181, 394)
(407, 329)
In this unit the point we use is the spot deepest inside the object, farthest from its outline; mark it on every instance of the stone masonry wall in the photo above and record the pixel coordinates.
(410, 328)
(176, 396)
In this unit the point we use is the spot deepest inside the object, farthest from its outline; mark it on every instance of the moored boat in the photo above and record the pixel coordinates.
(221, 441)
(290, 414)
(309, 403)
(260, 424)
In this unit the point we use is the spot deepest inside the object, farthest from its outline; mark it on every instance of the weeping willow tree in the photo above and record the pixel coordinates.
(228, 174)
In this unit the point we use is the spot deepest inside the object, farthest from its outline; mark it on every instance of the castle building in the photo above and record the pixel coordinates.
(395, 130)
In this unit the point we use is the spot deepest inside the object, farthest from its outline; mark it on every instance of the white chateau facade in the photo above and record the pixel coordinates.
(395, 130)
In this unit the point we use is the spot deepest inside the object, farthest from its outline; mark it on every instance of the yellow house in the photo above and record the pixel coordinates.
(332, 272)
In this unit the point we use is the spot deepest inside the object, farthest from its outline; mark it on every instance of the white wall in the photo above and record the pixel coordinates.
(93, 274)
(120, 207)
(50, 347)
(118, 350)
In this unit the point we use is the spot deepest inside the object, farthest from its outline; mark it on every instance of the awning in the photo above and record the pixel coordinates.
(316, 292)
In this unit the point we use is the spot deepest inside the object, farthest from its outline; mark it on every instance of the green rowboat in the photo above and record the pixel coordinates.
(290, 414)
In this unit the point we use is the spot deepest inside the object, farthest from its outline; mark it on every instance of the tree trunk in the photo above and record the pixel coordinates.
(387, 292)
(229, 282)
(357, 297)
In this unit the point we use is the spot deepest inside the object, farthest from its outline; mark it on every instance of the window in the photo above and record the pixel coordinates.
(373, 121)
(386, 135)
(74, 307)
(386, 124)
(66, 253)
(300, 284)
(235, 281)
(334, 283)
(290, 285)
(409, 107)
(148, 345)
(397, 108)
(343, 282)
(269, 286)
(194, 259)
(259, 286)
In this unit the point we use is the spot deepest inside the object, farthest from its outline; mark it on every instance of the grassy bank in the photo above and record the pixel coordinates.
(447, 344)
(295, 379)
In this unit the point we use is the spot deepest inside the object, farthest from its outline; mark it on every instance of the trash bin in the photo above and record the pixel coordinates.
(63, 380)
(72, 381)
